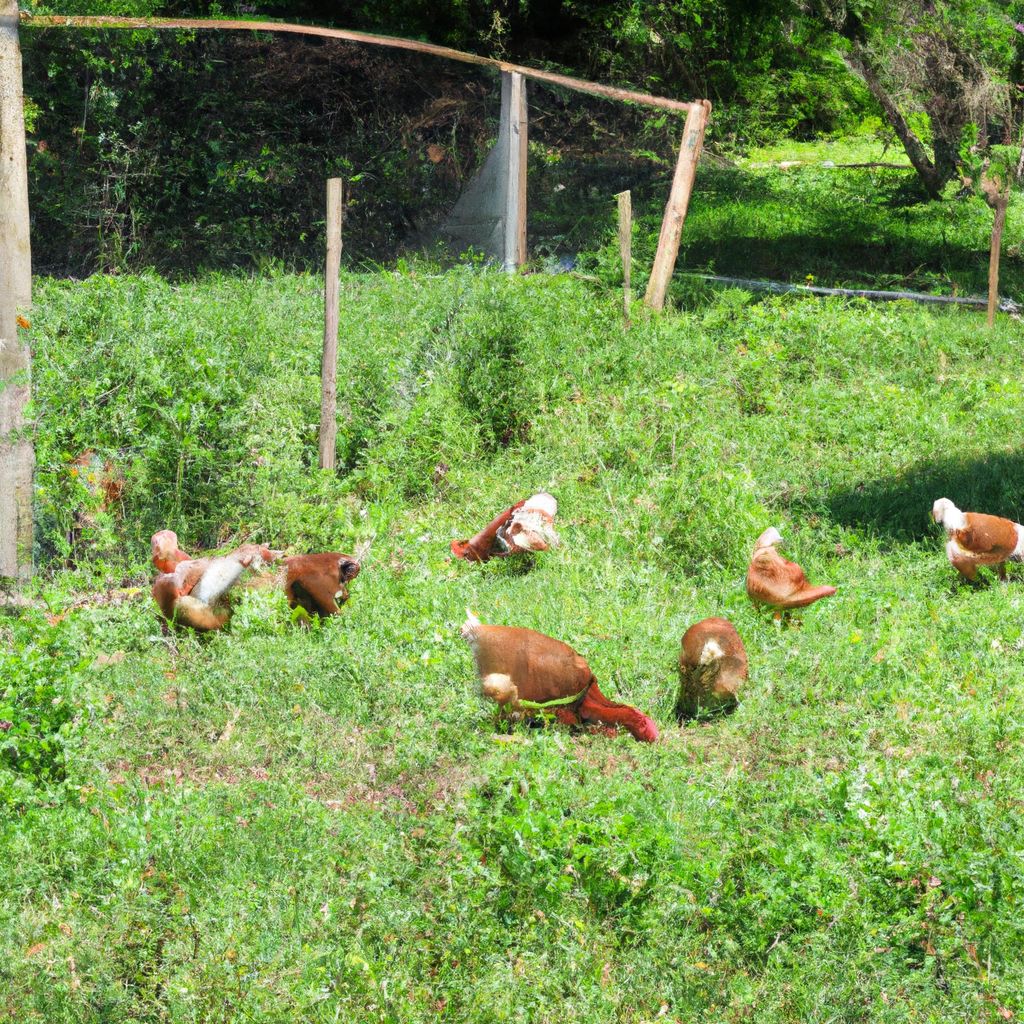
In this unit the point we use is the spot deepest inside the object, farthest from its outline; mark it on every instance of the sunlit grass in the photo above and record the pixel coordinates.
(853, 150)
(365, 842)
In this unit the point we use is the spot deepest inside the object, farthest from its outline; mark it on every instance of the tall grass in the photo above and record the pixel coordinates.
(365, 842)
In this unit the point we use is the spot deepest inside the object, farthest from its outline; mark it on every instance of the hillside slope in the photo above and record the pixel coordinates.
(278, 824)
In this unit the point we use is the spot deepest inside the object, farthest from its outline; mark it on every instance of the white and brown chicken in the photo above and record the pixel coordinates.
(527, 526)
(712, 669)
(776, 582)
(976, 539)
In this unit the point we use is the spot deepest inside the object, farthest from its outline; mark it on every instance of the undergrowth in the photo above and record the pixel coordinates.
(278, 824)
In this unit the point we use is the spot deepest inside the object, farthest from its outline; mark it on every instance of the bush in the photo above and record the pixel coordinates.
(39, 673)
(495, 383)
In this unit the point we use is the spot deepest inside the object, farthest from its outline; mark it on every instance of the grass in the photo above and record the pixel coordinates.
(863, 148)
(277, 824)
(866, 227)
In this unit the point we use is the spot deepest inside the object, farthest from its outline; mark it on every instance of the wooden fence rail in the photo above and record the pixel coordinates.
(610, 92)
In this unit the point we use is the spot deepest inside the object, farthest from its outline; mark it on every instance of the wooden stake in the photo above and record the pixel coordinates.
(999, 220)
(329, 366)
(16, 455)
(515, 195)
(626, 249)
(678, 201)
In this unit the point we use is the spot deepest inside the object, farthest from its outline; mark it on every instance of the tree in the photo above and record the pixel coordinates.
(938, 70)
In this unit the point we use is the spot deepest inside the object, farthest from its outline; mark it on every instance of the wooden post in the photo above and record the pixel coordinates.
(329, 366)
(626, 249)
(678, 201)
(16, 453)
(515, 194)
(993, 256)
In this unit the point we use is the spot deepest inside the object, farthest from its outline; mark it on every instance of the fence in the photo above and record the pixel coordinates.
(490, 214)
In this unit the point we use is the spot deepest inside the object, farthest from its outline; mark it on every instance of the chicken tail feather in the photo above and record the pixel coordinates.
(596, 707)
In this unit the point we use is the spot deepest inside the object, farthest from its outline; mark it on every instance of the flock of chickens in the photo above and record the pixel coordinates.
(526, 672)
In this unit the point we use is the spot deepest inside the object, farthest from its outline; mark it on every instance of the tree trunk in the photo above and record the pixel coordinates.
(16, 455)
(932, 177)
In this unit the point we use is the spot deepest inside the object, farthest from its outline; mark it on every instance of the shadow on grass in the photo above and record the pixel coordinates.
(899, 506)
(843, 260)
(852, 228)
(857, 228)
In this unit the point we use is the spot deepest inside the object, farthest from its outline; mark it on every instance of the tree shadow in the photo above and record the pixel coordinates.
(842, 261)
(899, 506)
(867, 229)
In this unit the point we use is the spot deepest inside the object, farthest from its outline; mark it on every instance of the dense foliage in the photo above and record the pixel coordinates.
(183, 151)
(40, 671)
(178, 152)
(946, 75)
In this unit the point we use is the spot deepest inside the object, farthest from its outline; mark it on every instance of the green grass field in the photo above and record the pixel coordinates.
(278, 824)
(838, 214)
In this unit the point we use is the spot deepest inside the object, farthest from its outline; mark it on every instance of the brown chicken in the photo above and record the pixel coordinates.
(529, 672)
(527, 526)
(317, 583)
(776, 582)
(193, 591)
(976, 539)
(712, 668)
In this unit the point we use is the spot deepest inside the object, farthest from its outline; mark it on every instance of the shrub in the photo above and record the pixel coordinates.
(39, 670)
(494, 381)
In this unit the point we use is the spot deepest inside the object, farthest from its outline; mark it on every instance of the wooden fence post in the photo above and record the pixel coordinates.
(16, 454)
(515, 195)
(678, 201)
(996, 188)
(329, 366)
(626, 249)
(998, 221)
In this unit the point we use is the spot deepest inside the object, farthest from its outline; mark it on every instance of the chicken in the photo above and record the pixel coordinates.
(712, 668)
(527, 526)
(526, 671)
(977, 539)
(166, 553)
(774, 581)
(193, 591)
(317, 583)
